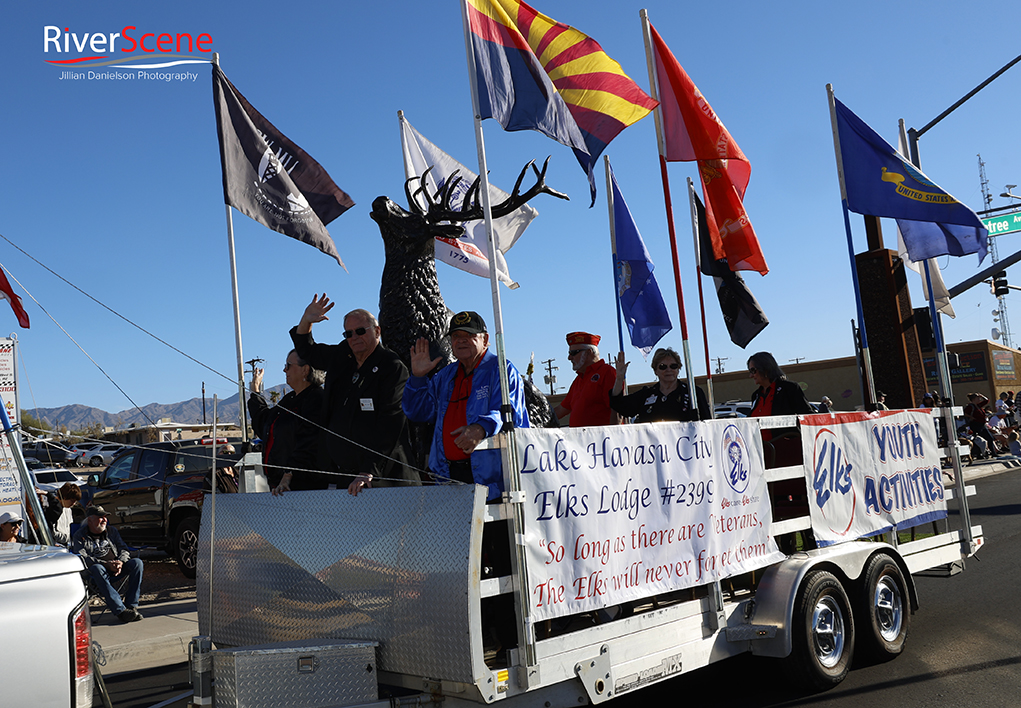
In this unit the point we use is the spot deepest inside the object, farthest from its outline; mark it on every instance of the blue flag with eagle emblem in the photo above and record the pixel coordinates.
(879, 182)
(641, 302)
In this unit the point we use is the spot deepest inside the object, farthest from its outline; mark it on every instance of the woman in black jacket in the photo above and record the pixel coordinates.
(668, 399)
(290, 429)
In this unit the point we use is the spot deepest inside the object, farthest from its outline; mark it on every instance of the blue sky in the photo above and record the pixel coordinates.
(116, 185)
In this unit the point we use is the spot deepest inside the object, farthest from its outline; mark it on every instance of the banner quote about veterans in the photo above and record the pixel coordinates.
(614, 514)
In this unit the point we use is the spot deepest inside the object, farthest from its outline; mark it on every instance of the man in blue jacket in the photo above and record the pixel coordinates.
(463, 399)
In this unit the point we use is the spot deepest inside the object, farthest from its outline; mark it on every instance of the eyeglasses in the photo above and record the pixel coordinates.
(664, 367)
(14, 524)
(574, 352)
(752, 370)
(288, 365)
(348, 333)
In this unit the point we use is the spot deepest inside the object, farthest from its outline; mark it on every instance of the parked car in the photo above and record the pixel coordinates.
(49, 452)
(83, 451)
(154, 495)
(732, 409)
(104, 454)
(50, 479)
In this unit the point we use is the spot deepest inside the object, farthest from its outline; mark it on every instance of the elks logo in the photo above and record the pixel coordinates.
(735, 458)
(141, 48)
(831, 481)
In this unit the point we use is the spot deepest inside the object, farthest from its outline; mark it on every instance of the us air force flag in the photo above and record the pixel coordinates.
(879, 182)
(471, 251)
(269, 178)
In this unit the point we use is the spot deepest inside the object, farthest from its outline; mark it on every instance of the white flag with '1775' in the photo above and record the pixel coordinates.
(471, 252)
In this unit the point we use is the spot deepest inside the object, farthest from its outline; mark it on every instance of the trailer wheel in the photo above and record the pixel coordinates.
(823, 632)
(186, 545)
(883, 604)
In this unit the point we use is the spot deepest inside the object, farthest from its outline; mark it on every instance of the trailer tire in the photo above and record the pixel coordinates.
(186, 546)
(883, 608)
(823, 632)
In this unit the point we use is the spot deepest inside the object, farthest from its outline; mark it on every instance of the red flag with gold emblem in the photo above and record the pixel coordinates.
(693, 131)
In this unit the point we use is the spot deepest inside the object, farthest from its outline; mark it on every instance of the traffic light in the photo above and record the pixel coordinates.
(1000, 284)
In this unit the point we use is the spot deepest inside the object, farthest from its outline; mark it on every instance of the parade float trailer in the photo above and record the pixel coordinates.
(637, 553)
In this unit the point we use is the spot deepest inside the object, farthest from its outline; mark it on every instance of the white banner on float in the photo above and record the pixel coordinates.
(619, 513)
(10, 486)
(869, 472)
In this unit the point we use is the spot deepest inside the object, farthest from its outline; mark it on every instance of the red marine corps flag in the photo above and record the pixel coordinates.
(269, 178)
(7, 293)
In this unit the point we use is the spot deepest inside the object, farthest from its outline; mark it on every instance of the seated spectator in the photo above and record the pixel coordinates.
(10, 524)
(108, 562)
(1015, 444)
(57, 510)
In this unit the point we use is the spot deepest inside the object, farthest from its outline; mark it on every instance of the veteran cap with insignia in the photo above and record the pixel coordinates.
(579, 338)
(468, 321)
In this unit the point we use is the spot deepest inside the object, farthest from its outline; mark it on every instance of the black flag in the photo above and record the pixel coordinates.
(269, 178)
(741, 311)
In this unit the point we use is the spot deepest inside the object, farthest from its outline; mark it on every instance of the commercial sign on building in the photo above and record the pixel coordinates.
(971, 368)
(1003, 366)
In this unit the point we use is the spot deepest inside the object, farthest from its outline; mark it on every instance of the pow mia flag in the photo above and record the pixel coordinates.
(741, 311)
(269, 178)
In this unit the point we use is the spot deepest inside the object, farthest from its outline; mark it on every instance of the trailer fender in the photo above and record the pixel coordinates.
(778, 590)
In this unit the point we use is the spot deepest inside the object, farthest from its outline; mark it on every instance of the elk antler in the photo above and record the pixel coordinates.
(438, 205)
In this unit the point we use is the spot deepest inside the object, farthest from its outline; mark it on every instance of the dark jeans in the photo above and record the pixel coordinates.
(104, 582)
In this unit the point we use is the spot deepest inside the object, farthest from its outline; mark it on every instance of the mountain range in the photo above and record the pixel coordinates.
(78, 417)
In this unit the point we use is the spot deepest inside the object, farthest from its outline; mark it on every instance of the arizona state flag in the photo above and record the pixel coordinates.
(534, 73)
(269, 178)
(692, 131)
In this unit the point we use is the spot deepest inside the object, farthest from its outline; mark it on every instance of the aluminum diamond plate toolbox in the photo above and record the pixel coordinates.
(395, 566)
(299, 674)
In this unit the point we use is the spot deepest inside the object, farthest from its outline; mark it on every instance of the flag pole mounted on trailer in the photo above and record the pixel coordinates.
(661, 142)
(242, 401)
(695, 226)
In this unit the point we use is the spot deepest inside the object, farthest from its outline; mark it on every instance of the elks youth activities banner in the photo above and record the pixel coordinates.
(870, 472)
(619, 513)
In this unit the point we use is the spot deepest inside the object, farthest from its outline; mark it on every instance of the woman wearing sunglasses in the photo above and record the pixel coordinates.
(667, 399)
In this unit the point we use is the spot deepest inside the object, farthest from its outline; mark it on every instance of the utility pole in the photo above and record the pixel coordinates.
(550, 377)
(797, 359)
(253, 362)
(719, 363)
(203, 403)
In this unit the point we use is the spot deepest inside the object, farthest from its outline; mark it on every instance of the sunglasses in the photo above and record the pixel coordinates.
(574, 352)
(664, 367)
(288, 365)
(752, 370)
(14, 524)
(348, 333)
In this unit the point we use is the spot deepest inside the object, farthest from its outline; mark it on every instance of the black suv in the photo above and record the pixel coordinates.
(154, 495)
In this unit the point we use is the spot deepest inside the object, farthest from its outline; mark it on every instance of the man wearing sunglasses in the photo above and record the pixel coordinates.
(463, 400)
(364, 384)
(588, 400)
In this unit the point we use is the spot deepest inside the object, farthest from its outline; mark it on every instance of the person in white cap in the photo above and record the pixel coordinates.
(10, 524)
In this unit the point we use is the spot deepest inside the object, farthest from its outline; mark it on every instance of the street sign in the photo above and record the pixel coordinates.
(1003, 224)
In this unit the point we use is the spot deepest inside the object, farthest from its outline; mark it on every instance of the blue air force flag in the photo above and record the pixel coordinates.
(879, 182)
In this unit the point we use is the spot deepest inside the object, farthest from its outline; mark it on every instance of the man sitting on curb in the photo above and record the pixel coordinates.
(109, 562)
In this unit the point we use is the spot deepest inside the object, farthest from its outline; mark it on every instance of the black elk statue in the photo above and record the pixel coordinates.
(410, 302)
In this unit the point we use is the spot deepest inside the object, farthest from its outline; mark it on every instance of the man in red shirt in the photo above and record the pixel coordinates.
(588, 400)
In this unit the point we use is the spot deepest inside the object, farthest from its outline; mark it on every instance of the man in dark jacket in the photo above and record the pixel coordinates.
(57, 511)
(108, 562)
(366, 431)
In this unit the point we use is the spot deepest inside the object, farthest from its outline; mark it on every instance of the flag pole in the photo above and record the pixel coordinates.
(242, 405)
(870, 388)
(526, 632)
(613, 248)
(701, 296)
(654, 87)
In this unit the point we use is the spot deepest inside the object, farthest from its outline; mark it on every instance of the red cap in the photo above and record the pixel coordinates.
(583, 338)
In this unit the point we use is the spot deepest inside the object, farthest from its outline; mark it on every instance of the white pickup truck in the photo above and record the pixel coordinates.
(44, 620)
